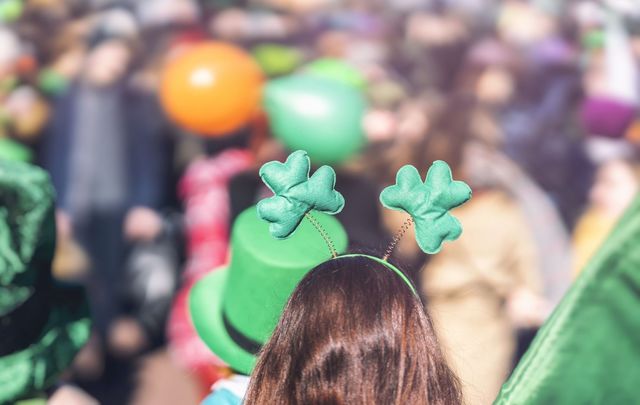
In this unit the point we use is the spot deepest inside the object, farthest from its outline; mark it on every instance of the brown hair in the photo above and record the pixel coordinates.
(353, 332)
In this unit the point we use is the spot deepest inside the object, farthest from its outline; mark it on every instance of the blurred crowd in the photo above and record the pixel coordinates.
(534, 103)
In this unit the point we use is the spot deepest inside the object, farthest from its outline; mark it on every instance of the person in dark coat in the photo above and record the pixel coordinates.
(106, 155)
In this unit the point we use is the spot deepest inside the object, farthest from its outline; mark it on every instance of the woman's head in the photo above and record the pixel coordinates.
(353, 332)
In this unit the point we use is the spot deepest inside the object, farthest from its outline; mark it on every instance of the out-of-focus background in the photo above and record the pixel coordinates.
(153, 117)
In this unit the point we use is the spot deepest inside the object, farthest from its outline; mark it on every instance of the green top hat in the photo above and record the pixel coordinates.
(236, 308)
(42, 325)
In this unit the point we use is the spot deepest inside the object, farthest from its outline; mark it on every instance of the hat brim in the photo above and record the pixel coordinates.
(205, 307)
(37, 367)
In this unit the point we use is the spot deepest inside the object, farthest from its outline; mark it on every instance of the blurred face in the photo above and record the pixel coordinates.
(495, 86)
(615, 187)
(69, 63)
(435, 30)
(107, 63)
(521, 23)
(299, 6)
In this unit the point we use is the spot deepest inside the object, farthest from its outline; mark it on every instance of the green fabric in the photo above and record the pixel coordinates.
(253, 290)
(36, 368)
(390, 266)
(428, 203)
(337, 70)
(320, 116)
(12, 150)
(27, 230)
(295, 193)
(27, 243)
(588, 352)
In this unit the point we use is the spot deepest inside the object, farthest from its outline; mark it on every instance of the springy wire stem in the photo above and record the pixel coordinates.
(323, 233)
(396, 239)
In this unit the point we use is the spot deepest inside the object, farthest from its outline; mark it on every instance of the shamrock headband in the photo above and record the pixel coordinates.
(427, 203)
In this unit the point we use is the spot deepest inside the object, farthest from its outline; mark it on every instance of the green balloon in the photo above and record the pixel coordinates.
(277, 60)
(320, 116)
(10, 10)
(335, 69)
(12, 150)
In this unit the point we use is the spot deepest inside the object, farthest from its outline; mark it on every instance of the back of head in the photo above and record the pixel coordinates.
(353, 332)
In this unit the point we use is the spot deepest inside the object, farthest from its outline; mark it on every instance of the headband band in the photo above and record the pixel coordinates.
(387, 265)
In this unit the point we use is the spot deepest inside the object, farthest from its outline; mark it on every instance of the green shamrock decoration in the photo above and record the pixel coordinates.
(295, 193)
(428, 203)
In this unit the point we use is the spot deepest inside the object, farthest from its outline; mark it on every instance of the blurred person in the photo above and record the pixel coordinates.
(246, 25)
(353, 332)
(105, 156)
(432, 49)
(150, 282)
(482, 288)
(551, 237)
(524, 23)
(616, 184)
(394, 135)
(530, 95)
(205, 192)
(27, 113)
(608, 114)
(10, 51)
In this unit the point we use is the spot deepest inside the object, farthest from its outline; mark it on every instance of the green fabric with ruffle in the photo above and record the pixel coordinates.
(27, 244)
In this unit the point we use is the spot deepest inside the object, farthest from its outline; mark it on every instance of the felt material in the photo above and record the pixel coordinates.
(36, 368)
(27, 242)
(322, 116)
(295, 193)
(587, 352)
(252, 291)
(27, 231)
(428, 203)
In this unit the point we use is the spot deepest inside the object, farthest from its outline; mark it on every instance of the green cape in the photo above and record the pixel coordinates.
(588, 352)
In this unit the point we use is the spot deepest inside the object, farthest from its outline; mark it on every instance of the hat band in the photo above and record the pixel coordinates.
(243, 341)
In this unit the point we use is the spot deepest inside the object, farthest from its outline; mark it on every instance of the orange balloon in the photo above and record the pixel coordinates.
(211, 89)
